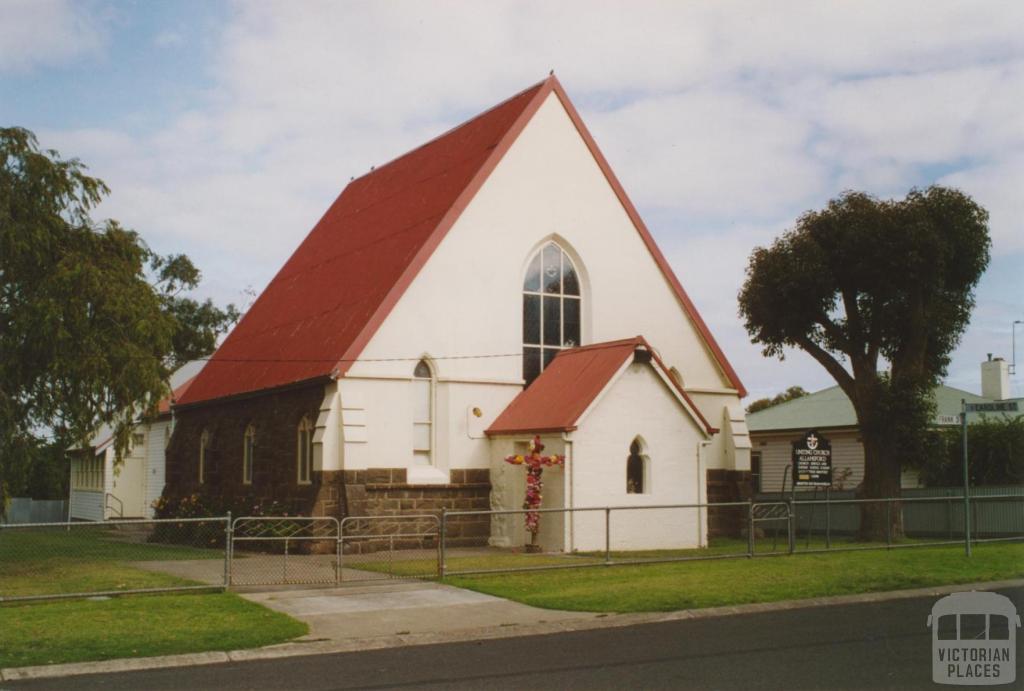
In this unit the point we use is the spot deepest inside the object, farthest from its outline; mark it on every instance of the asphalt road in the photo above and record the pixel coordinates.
(865, 646)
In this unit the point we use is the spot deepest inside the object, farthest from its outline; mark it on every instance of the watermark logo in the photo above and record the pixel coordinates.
(974, 639)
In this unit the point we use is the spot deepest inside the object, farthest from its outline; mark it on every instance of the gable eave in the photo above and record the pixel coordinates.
(419, 260)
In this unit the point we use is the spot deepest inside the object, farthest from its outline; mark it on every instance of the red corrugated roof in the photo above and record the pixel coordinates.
(565, 389)
(324, 305)
(322, 300)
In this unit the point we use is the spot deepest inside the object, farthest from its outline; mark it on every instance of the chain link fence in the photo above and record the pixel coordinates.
(284, 550)
(377, 548)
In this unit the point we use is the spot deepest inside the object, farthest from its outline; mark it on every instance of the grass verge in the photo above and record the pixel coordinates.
(137, 626)
(686, 585)
(84, 559)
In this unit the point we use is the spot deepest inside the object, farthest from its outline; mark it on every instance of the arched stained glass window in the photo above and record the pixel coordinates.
(204, 446)
(248, 453)
(636, 469)
(551, 309)
(304, 452)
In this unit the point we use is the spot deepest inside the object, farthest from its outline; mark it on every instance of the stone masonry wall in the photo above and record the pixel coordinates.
(384, 492)
(275, 417)
(727, 486)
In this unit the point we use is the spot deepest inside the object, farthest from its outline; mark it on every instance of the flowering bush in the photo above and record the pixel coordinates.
(195, 505)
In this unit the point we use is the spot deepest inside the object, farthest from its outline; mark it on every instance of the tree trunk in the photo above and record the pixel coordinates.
(880, 521)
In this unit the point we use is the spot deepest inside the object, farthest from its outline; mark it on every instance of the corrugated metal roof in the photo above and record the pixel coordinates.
(328, 291)
(324, 305)
(559, 396)
(831, 408)
(556, 400)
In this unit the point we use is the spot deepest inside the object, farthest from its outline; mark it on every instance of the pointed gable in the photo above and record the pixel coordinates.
(566, 389)
(320, 302)
(320, 310)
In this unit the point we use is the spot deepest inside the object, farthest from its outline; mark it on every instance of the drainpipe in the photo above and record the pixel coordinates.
(570, 499)
(701, 492)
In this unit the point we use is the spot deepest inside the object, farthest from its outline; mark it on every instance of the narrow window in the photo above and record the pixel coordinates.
(422, 413)
(304, 454)
(248, 451)
(635, 469)
(204, 444)
(551, 309)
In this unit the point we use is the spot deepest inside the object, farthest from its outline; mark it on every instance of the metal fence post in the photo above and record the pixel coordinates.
(228, 540)
(792, 525)
(338, 546)
(828, 518)
(888, 523)
(607, 535)
(442, 565)
(750, 527)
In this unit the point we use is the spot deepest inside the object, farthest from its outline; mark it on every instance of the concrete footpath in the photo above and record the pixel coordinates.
(371, 617)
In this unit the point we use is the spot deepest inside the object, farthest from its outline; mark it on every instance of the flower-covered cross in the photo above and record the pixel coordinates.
(535, 464)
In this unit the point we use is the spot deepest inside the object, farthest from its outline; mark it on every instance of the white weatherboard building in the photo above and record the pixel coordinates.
(102, 488)
(406, 326)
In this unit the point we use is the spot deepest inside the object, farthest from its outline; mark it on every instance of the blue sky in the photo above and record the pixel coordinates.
(226, 128)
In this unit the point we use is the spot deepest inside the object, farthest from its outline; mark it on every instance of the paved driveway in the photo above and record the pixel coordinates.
(401, 608)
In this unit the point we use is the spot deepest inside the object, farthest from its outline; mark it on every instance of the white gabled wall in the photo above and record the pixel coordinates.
(467, 300)
(637, 404)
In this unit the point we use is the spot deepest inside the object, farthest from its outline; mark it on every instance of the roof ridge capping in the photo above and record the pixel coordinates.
(451, 130)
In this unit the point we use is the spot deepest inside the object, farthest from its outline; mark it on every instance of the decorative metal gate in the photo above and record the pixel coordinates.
(771, 517)
(284, 550)
(377, 548)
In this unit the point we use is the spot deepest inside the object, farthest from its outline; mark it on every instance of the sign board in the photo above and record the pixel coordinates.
(947, 419)
(812, 461)
(1000, 407)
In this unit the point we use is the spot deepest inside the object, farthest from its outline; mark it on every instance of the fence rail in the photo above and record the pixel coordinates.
(80, 559)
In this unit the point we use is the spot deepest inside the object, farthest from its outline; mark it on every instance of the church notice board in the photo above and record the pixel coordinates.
(812, 461)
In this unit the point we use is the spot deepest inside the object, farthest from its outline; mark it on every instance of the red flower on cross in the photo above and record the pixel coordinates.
(535, 464)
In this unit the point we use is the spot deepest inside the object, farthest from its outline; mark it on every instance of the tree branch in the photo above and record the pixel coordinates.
(838, 372)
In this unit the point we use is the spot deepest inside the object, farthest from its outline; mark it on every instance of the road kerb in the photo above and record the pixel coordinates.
(294, 649)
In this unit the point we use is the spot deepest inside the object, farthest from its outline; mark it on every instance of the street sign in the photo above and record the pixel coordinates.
(947, 419)
(812, 461)
(1000, 407)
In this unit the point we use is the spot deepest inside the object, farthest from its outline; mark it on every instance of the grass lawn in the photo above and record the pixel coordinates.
(685, 585)
(137, 626)
(84, 559)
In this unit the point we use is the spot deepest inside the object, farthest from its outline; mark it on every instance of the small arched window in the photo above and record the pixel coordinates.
(422, 413)
(204, 445)
(248, 453)
(551, 309)
(304, 452)
(636, 469)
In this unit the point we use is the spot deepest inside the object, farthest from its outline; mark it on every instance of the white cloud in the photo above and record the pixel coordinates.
(46, 32)
(725, 119)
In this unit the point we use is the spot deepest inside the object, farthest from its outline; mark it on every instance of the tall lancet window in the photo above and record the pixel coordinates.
(636, 469)
(422, 413)
(551, 309)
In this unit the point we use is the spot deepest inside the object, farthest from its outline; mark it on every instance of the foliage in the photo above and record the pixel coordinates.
(208, 506)
(866, 282)
(995, 450)
(92, 321)
(789, 394)
(137, 626)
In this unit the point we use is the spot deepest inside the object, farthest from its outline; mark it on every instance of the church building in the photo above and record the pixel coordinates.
(494, 284)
